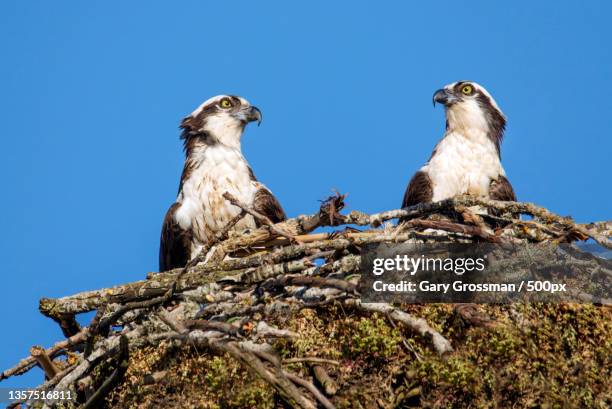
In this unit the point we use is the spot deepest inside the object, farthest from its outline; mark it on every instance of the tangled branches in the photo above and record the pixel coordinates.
(226, 304)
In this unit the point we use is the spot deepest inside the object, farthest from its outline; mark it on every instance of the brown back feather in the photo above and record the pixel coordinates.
(265, 203)
(174, 244)
(419, 190)
(501, 189)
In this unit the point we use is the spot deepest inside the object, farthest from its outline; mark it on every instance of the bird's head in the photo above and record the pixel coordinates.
(220, 119)
(469, 107)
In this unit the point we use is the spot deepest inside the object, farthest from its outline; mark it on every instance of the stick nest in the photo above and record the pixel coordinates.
(271, 318)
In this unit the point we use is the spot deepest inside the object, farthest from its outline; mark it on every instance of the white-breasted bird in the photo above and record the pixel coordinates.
(467, 159)
(214, 165)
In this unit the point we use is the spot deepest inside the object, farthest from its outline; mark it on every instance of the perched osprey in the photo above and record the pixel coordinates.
(467, 159)
(214, 165)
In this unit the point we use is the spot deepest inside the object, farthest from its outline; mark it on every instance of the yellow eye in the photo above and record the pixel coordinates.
(225, 103)
(467, 89)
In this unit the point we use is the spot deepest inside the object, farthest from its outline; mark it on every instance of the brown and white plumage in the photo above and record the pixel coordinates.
(214, 165)
(467, 160)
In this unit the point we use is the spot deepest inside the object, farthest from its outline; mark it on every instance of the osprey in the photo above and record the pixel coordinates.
(467, 160)
(214, 165)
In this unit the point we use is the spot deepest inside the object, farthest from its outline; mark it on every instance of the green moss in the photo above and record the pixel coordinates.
(371, 337)
(558, 357)
(216, 374)
(536, 355)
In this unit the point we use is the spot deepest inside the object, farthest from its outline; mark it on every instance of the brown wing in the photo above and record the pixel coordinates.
(265, 203)
(175, 243)
(419, 190)
(501, 189)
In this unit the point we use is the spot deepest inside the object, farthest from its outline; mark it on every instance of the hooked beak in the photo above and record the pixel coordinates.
(443, 97)
(253, 114)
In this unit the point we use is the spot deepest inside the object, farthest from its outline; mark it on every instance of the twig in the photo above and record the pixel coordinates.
(441, 344)
(244, 352)
(304, 224)
(313, 359)
(539, 212)
(44, 361)
(455, 228)
(104, 348)
(604, 227)
(122, 366)
(29, 362)
(219, 237)
(599, 231)
(321, 375)
(264, 351)
(404, 342)
(205, 325)
(174, 324)
(263, 219)
(222, 235)
(300, 280)
(274, 377)
(159, 283)
(265, 330)
(536, 226)
(311, 388)
(105, 323)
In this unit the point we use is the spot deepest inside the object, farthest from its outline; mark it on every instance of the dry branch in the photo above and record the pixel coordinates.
(313, 359)
(265, 330)
(419, 325)
(44, 361)
(263, 219)
(329, 385)
(475, 231)
(273, 375)
(95, 400)
(312, 389)
(26, 364)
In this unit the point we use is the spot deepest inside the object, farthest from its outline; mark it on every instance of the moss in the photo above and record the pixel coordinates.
(558, 358)
(537, 355)
(192, 380)
(369, 337)
(313, 329)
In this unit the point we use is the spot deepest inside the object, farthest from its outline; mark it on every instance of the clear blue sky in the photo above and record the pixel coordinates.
(92, 93)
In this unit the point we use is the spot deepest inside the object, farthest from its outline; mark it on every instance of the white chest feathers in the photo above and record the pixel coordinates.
(463, 165)
(203, 209)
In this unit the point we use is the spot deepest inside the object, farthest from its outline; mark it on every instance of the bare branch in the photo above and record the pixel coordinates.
(441, 344)
(312, 389)
(329, 385)
(27, 363)
(263, 219)
(274, 376)
(313, 359)
(95, 400)
(265, 330)
(44, 361)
